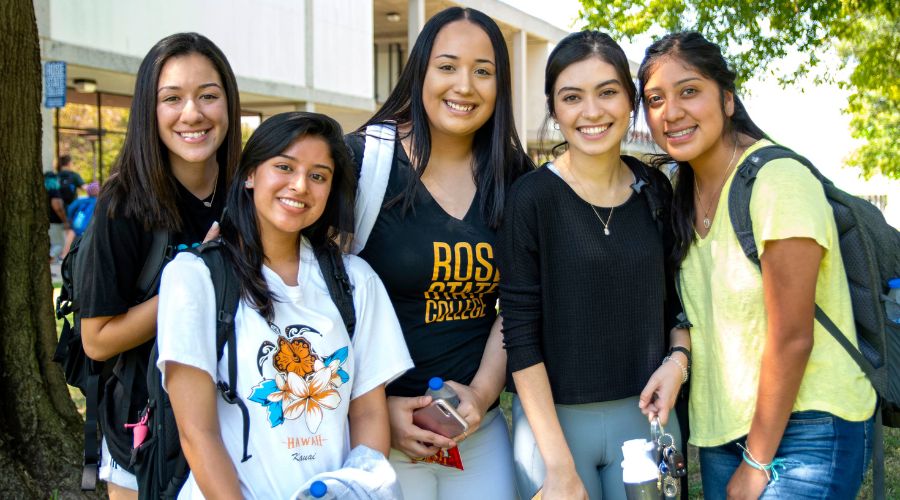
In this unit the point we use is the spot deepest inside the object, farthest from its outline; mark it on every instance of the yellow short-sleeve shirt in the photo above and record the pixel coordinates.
(723, 298)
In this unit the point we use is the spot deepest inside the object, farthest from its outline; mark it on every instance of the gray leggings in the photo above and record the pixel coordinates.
(595, 433)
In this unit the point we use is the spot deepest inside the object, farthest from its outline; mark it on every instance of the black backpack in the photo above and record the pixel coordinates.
(91, 376)
(870, 249)
(159, 463)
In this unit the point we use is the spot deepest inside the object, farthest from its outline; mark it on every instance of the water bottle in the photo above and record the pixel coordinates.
(892, 305)
(437, 389)
(639, 472)
(318, 489)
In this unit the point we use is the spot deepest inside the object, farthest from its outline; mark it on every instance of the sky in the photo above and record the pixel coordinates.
(809, 121)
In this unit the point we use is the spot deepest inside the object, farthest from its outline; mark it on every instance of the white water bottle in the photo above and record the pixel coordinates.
(892, 304)
(639, 472)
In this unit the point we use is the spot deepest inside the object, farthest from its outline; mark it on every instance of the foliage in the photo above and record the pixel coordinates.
(756, 35)
(78, 137)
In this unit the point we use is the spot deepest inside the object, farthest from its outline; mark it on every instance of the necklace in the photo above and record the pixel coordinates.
(594, 209)
(208, 203)
(706, 221)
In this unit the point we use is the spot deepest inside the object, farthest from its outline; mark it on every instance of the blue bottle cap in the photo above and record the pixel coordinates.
(435, 383)
(894, 283)
(318, 489)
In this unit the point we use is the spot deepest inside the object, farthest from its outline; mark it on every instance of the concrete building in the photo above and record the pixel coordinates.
(339, 57)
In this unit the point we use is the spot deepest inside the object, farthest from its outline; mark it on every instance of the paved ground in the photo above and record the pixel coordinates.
(55, 277)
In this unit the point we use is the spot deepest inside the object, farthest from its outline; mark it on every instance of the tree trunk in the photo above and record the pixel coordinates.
(40, 430)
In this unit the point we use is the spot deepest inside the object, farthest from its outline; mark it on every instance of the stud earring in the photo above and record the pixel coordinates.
(555, 125)
(248, 184)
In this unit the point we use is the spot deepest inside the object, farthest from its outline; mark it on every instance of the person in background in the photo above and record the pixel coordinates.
(56, 211)
(777, 407)
(587, 296)
(455, 157)
(79, 214)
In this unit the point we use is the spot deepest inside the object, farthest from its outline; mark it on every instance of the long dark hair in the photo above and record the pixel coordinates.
(142, 185)
(706, 58)
(577, 47)
(499, 156)
(239, 226)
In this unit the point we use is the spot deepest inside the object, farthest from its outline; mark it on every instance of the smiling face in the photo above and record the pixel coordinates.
(460, 87)
(591, 107)
(191, 110)
(684, 111)
(290, 190)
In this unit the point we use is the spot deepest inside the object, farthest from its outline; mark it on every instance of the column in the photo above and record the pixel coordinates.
(519, 85)
(415, 23)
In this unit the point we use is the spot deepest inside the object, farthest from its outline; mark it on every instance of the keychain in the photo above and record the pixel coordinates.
(671, 461)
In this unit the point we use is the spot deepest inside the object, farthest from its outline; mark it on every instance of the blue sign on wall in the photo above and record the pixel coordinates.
(54, 84)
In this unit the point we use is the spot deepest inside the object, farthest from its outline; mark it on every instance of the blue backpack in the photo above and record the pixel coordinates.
(80, 212)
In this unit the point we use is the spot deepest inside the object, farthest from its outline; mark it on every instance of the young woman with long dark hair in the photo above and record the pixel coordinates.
(180, 150)
(777, 406)
(455, 157)
(312, 393)
(587, 296)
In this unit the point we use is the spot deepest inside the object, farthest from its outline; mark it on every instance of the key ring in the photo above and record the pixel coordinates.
(659, 436)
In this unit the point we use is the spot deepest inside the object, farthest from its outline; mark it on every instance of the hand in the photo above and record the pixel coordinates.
(658, 396)
(213, 232)
(563, 485)
(409, 438)
(472, 406)
(746, 483)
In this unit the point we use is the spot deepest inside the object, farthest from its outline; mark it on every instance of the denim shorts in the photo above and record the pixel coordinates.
(824, 457)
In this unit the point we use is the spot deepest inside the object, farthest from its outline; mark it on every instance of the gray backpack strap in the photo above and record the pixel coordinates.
(742, 188)
(373, 181)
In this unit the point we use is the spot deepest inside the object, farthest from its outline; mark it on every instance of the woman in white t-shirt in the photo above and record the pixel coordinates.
(312, 393)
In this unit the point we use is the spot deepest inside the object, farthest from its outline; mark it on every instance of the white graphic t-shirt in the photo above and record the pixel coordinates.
(296, 375)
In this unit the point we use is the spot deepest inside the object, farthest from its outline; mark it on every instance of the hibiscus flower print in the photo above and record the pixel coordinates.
(305, 384)
(307, 396)
(294, 356)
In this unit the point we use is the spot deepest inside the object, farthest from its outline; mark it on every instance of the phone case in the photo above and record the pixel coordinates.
(439, 417)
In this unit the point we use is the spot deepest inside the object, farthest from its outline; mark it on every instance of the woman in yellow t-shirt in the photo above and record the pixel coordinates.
(777, 407)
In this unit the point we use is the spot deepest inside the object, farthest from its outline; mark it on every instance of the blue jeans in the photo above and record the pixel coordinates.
(824, 456)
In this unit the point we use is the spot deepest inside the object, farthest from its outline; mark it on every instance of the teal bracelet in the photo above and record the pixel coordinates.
(767, 468)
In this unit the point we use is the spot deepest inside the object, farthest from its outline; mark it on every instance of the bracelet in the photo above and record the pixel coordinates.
(766, 468)
(684, 371)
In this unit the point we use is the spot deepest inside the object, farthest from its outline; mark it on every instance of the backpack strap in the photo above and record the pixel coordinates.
(228, 296)
(653, 192)
(331, 263)
(161, 252)
(739, 211)
(373, 180)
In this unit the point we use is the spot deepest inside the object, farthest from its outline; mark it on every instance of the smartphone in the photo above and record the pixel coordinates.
(440, 418)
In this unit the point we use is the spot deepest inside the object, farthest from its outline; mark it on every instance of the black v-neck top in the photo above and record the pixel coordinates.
(441, 277)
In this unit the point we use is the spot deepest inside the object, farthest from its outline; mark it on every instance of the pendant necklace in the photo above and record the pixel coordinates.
(706, 222)
(208, 203)
(594, 209)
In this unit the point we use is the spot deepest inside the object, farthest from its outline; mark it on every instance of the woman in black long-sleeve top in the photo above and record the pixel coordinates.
(585, 293)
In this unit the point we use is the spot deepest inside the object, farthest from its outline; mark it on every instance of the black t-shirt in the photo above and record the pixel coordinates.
(115, 257)
(69, 182)
(439, 272)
